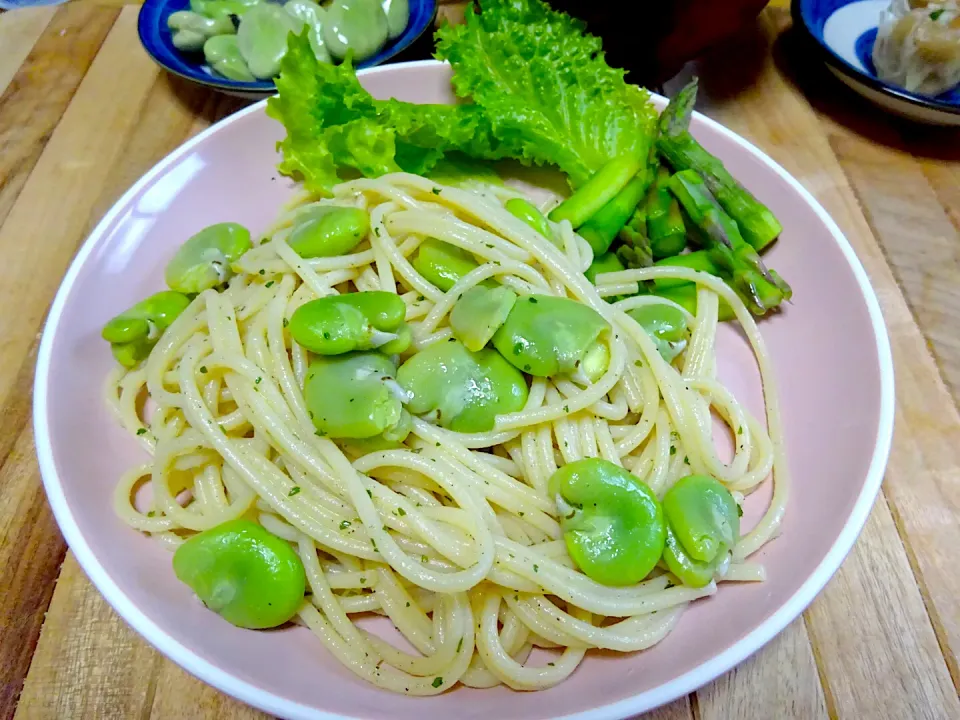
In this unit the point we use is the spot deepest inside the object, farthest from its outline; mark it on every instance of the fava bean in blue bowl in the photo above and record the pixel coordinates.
(236, 45)
(904, 55)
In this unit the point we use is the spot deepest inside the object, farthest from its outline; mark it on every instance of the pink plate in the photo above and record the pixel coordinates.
(830, 350)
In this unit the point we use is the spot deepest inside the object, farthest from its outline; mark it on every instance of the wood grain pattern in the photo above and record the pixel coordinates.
(17, 36)
(37, 96)
(883, 639)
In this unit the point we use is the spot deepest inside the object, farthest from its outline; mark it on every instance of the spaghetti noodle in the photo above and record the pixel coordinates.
(451, 536)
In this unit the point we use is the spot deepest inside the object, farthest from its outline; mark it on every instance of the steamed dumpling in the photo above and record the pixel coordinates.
(918, 46)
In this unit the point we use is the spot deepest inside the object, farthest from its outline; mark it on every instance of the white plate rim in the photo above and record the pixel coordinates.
(277, 705)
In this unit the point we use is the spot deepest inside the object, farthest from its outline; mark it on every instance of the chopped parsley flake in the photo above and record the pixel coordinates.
(262, 271)
(437, 682)
(739, 511)
(401, 512)
(151, 513)
(436, 191)
(408, 603)
(536, 568)
(142, 431)
(935, 15)
(285, 322)
(363, 580)
(344, 524)
(673, 450)
(257, 381)
(269, 283)
(460, 645)
(203, 369)
(533, 300)
(293, 491)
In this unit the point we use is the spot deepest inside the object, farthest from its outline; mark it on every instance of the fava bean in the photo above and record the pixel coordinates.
(357, 25)
(262, 38)
(222, 9)
(528, 212)
(338, 324)
(329, 231)
(312, 15)
(222, 53)
(398, 14)
(479, 314)
(251, 578)
(703, 526)
(190, 30)
(203, 261)
(612, 524)
(546, 336)
(442, 264)
(134, 332)
(463, 390)
(353, 395)
(666, 325)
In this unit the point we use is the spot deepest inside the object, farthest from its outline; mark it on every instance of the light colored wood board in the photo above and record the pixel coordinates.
(18, 32)
(31, 550)
(681, 709)
(41, 90)
(180, 695)
(944, 177)
(873, 638)
(917, 235)
(56, 199)
(780, 681)
(88, 663)
(923, 489)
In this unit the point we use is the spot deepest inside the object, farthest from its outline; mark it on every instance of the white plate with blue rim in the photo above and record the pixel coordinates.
(844, 32)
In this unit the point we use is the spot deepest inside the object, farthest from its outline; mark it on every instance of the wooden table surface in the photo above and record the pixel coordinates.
(84, 113)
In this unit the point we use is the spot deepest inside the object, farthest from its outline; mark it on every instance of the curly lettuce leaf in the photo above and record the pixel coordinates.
(334, 125)
(545, 87)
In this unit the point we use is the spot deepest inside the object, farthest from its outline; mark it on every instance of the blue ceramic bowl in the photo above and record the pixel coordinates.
(844, 32)
(158, 42)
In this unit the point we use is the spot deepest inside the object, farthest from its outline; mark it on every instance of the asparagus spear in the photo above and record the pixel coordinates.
(686, 297)
(634, 250)
(678, 147)
(602, 228)
(608, 262)
(596, 192)
(664, 223)
(739, 263)
(698, 260)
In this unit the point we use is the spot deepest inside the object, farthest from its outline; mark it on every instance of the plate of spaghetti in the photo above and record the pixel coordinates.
(367, 403)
